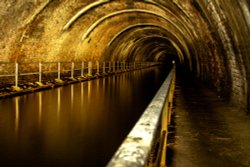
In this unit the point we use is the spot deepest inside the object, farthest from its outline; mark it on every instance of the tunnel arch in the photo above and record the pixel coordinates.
(149, 27)
(145, 27)
(94, 25)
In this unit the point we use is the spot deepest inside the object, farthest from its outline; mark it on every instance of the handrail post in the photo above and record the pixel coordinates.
(97, 68)
(40, 72)
(109, 67)
(16, 74)
(114, 66)
(16, 88)
(90, 66)
(39, 83)
(59, 71)
(72, 69)
(58, 80)
(123, 66)
(104, 67)
(82, 69)
(118, 66)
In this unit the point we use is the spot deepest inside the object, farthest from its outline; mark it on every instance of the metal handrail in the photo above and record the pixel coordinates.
(57, 67)
(136, 148)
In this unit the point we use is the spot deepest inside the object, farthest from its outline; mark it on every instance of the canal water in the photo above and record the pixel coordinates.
(77, 125)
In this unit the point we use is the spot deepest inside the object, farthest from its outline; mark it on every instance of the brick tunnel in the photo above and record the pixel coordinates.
(208, 39)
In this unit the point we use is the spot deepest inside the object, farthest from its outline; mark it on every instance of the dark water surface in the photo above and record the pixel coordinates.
(77, 125)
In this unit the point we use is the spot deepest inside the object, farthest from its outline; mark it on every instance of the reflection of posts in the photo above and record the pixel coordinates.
(40, 109)
(72, 97)
(58, 102)
(16, 114)
(89, 91)
(90, 66)
(82, 95)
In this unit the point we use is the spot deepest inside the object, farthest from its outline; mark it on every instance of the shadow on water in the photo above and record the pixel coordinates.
(76, 125)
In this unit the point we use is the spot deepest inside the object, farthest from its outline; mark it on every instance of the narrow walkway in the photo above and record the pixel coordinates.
(209, 132)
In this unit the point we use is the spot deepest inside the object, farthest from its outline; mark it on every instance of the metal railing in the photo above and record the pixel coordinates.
(146, 143)
(72, 69)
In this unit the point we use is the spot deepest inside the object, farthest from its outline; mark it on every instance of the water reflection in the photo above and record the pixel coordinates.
(82, 95)
(58, 102)
(40, 108)
(89, 91)
(72, 97)
(76, 125)
(16, 114)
